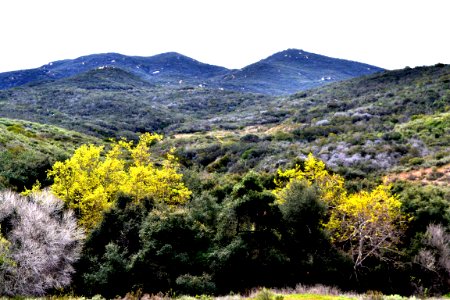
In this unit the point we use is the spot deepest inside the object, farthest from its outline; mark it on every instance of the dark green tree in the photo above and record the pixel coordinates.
(248, 241)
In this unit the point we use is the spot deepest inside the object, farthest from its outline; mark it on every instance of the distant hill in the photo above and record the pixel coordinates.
(292, 70)
(282, 73)
(112, 102)
(166, 68)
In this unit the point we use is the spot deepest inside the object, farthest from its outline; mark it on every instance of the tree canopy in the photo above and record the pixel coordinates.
(90, 180)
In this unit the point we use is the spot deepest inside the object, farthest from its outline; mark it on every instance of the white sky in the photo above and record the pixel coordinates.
(230, 33)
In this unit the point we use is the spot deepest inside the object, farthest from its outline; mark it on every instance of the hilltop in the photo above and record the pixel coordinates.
(166, 68)
(292, 70)
(282, 73)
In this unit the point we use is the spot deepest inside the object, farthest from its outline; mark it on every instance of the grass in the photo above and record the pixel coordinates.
(316, 297)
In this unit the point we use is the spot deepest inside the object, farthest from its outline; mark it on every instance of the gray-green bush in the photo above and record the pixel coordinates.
(43, 243)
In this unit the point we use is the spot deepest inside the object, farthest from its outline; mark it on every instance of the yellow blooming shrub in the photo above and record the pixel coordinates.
(88, 182)
(331, 186)
(364, 224)
(367, 223)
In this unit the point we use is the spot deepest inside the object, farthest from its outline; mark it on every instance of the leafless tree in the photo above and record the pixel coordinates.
(43, 243)
(435, 256)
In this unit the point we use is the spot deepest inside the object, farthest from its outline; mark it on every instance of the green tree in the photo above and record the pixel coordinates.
(248, 241)
(312, 257)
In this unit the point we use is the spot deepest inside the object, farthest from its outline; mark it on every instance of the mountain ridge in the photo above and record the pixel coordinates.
(280, 73)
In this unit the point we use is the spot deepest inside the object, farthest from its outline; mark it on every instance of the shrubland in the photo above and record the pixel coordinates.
(299, 224)
(28, 150)
(251, 191)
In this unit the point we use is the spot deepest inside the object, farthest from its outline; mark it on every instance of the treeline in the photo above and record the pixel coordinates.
(150, 226)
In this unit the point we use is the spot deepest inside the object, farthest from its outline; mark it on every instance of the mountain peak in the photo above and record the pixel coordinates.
(292, 70)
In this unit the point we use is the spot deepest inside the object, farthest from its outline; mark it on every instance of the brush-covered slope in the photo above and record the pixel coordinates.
(28, 150)
(394, 120)
(282, 73)
(111, 102)
(292, 70)
(364, 125)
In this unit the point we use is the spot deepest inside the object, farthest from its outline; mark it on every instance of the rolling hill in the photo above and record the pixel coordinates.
(28, 150)
(282, 73)
(167, 68)
(111, 102)
(292, 70)
(372, 125)
(365, 125)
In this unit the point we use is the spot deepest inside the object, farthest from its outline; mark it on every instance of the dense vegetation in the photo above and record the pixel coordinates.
(393, 121)
(234, 233)
(28, 150)
(258, 191)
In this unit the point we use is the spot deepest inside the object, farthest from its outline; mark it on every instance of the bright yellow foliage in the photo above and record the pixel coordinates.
(367, 223)
(364, 224)
(331, 186)
(35, 188)
(88, 182)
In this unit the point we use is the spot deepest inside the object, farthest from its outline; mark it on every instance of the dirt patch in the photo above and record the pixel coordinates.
(434, 176)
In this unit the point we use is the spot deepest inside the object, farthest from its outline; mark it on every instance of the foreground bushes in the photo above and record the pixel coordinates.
(235, 233)
(39, 242)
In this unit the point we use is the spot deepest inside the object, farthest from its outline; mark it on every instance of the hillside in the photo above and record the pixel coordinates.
(360, 126)
(111, 102)
(390, 121)
(28, 150)
(282, 73)
(292, 70)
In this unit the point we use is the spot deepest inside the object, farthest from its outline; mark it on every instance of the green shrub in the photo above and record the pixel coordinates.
(266, 294)
(195, 285)
(394, 297)
(415, 161)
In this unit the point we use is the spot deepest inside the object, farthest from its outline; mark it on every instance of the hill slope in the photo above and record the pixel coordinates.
(394, 120)
(292, 70)
(364, 125)
(282, 73)
(166, 68)
(111, 102)
(28, 150)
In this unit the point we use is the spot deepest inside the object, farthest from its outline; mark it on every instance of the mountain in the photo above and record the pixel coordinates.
(292, 70)
(166, 68)
(282, 73)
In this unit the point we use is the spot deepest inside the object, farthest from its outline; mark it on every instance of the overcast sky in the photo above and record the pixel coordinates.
(231, 33)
